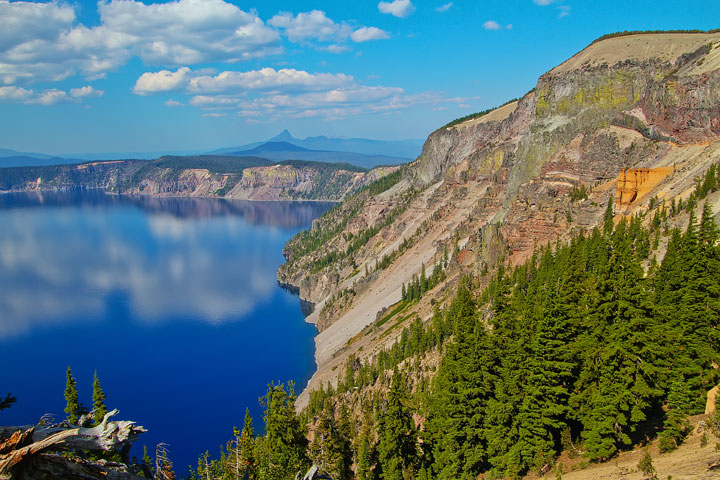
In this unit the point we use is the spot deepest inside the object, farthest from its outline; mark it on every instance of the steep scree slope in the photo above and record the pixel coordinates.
(494, 188)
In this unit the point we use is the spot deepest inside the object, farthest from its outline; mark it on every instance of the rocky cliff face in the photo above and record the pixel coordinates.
(268, 182)
(496, 187)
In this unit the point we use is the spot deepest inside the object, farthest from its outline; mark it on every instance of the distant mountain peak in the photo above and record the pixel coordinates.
(273, 146)
(284, 136)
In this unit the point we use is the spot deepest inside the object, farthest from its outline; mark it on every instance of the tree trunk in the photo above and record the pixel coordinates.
(22, 450)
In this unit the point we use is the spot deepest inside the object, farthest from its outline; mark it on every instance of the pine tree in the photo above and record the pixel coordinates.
(330, 449)
(98, 398)
(282, 452)
(7, 402)
(645, 465)
(365, 452)
(397, 447)
(146, 466)
(72, 407)
(245, 455)
(624, 386)
(365, 458)
(608, 221)
(461, 389)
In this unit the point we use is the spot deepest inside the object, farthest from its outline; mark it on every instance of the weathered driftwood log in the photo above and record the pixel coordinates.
(47, 466)
(22, 454)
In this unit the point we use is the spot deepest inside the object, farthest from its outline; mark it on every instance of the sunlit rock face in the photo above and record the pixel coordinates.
(537, 170)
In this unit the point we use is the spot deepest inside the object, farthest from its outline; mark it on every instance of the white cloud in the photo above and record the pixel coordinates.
(214, 101)
(86, 92)
(509, 26)
(564, 11)
(213, 115)
(44, 42)
(365, 34)
(14, 94)
(328, 105)
(491, 25)
(190, 31)
(173, 103)
(544, 3)
(162, 81)
(314, 25)
(398, 8)
(26, 21)
(268, 95)
(444, 8)
(335, 48)
(52, 97)
(286, 79)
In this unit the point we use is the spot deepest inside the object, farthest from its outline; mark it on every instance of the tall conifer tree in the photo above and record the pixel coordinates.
(72, 405)
(98, 398)
(397, 447)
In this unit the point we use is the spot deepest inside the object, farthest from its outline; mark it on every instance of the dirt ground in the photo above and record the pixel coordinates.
(689, 461)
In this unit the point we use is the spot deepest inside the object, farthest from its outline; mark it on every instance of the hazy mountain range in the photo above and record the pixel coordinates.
(407, 149)
(361, 152)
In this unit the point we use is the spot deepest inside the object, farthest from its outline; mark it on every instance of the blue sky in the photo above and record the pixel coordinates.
(135, 75)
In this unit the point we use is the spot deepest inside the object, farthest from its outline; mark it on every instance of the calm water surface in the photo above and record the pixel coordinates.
(173, 301)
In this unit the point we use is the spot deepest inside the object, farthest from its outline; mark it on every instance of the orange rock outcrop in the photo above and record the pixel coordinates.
(634, 183)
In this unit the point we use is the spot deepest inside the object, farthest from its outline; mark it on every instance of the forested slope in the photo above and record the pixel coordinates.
(588, 348)
(543, 279)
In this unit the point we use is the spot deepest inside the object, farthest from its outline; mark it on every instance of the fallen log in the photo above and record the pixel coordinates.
(53, 467)
(23, 453)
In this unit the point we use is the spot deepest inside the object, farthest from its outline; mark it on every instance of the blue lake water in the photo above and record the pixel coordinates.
(173, 301)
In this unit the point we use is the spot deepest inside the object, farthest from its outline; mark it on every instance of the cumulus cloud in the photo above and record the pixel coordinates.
(44, 42)
(162, 81)
(544, 3)
(286, 79)
(267, 94)
(190, 31)
(52, 96)
(444, 8)
(491, 25)
(331, 104)
(26, 21)
(365, 34)
(86, 92)
(398, 8)
(336, 48)
(314, 25)
(14, 94)
(172, 103)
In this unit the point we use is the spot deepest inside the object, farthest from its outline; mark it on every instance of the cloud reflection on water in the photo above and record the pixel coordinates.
(189, 259)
